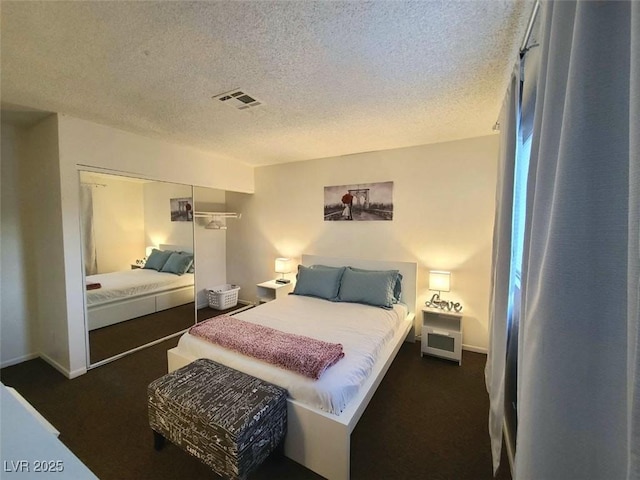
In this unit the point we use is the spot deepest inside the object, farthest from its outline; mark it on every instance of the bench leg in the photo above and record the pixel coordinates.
(158, 441)
(279, 450)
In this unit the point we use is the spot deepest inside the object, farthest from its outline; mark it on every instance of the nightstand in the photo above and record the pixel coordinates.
(271, 290)
(442, 334)
(135, 266)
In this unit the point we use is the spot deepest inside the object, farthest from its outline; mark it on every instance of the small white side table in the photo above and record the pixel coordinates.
(271, 290)
(441, 334)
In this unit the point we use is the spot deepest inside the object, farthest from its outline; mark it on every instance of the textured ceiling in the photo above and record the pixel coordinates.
(335, 77)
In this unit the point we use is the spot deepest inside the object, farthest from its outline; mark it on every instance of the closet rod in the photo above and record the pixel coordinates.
(217, 214)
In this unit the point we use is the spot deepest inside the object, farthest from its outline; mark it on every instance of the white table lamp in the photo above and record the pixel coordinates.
(283, 265)
(440, 281)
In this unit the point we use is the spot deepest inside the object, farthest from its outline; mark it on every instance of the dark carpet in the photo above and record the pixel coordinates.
(428, 420)
(110, 341)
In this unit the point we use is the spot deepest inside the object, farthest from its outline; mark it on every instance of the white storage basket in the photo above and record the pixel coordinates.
(223, 296)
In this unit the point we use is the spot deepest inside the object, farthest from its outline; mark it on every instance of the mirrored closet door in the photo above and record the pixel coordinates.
(138, 251)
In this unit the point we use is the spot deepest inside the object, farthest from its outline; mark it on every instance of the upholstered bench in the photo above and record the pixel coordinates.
(228, 419)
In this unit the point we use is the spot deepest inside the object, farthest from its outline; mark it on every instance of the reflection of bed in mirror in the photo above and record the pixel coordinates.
(130, 294)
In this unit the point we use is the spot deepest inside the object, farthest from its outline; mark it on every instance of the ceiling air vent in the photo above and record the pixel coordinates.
(238, 99)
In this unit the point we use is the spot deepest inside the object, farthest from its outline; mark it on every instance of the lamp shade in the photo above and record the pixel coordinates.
(439, 280)
(148, 250)
(283, 265)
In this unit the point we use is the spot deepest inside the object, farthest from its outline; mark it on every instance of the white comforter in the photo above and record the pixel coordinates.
(362, 330)
(132, 283)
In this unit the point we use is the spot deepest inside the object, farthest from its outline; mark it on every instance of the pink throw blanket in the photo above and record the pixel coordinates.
(304, 355)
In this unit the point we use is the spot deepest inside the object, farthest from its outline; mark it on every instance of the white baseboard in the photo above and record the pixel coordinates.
(77, 372)
(204, 305)
(65, 371)
(17, 360)
(473, 348)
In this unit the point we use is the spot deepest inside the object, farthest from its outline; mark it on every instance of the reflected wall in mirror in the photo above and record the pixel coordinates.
(138, 262)
(210, 247)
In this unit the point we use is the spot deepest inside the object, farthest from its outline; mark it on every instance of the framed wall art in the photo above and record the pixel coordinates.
(359, 202)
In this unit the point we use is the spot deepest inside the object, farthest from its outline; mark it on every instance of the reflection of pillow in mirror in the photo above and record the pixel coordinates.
(192, 265)
(157, 259)
(177, 263)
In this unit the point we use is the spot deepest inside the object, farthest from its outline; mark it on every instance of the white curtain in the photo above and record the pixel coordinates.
(501, 261)
(88, 231)
(578, 395)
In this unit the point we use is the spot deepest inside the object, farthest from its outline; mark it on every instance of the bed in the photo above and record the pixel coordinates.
(133, 293)
(323, 413)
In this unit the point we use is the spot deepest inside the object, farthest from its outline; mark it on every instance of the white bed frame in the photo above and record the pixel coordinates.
(319, 440)
(133, 307)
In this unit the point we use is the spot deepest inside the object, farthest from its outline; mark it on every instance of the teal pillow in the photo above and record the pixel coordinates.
(371, 287)
(192, 267)
(326, 267)
(321, 283)
(157, 259)
(397, 287)
(177, 263)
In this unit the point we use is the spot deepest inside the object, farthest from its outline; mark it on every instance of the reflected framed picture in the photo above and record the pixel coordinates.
(181, 209)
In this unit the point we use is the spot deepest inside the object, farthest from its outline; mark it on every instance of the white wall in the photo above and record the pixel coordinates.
(17, 332)
(444, 197)
(46, 261)
(130, 215)
(88, 143)
(157, 215)
(118, 215)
